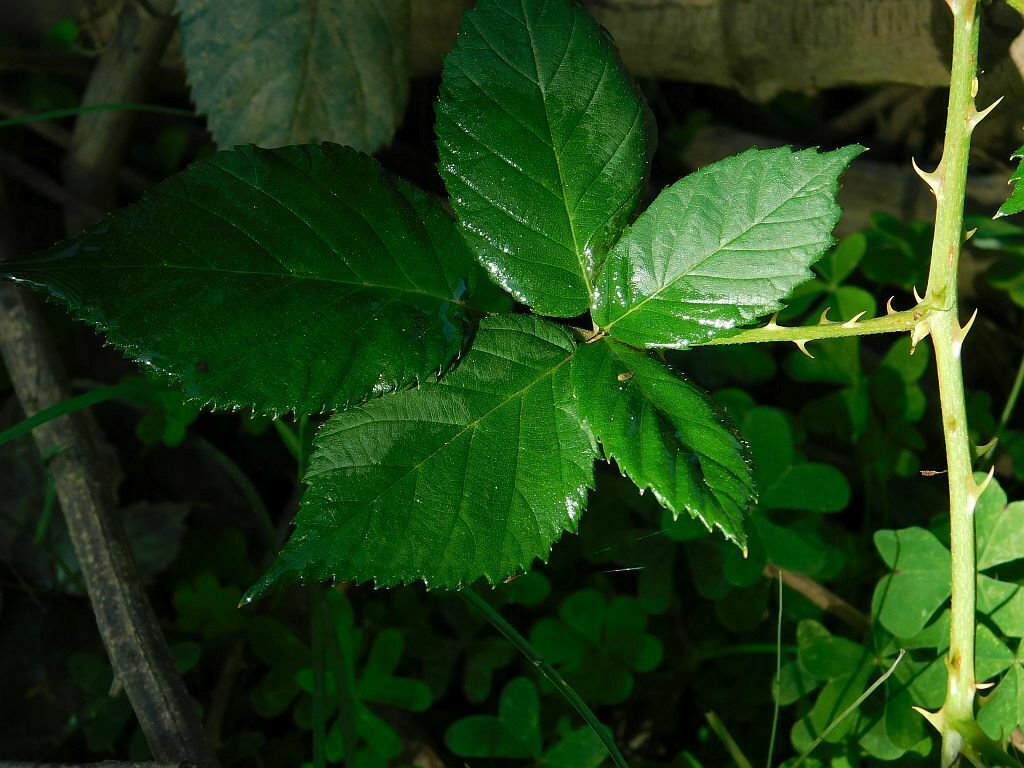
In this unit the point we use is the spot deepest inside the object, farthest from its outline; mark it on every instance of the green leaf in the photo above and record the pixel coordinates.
(919, 583)
(1015, 202)
(515, 732)
(581, 748)
(1002, 710)
(785, 480)
(721, 247)
(544, 143)
(1000, 527)
(303, 278)
(339, 69)
(476, 475)
(666, 434)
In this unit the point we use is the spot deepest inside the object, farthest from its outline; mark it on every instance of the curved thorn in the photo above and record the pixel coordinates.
(917, 296)
(823, 320)
(984, 483)
(969, 234)
(960, 333)
(983, 686)
(852, 322)
(888, 306)
(974, 116)
(981, 450)
(931, 179)
(802, 344)
(773, 322)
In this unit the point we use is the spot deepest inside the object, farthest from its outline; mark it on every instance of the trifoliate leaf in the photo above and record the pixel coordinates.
(919, 583)
(666, 434)
(1000, 527)
(721, 247)
(339, 69)
(1002, 709)
(544, 143)
(1015, 202)
(476, 475)
(515, 732)
(302, 279)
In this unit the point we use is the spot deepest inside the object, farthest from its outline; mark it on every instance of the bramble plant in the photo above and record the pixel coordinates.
(463, 432)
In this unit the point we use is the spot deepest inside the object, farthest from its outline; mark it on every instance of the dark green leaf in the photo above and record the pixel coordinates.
(339, 70)
(515, 732)
(474, 476)
(298, 279)
(721, 247)
(666, 434)
(544, 142)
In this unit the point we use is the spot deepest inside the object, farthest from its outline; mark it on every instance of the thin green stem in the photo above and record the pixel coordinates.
(482, 607)
(63, 408)
(895, 322)
(339, 656)
(1011, 403)
(776, 683)
(949, 183)
(851, 709)
(716, 724)
(121, 106)
(317, 638)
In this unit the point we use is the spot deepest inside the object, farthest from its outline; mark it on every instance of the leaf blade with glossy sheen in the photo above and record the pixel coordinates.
(339, 69)
(476, 475)
(666, 434)
(721, 247)
(303, 279)
(544, 143)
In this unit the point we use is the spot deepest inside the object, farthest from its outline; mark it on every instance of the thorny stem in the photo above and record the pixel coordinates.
(955, 720)
(894, 322)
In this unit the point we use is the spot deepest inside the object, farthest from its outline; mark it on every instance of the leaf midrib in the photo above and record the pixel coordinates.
(30, 267)
(472, 425)
(721, 247)
(584, 272)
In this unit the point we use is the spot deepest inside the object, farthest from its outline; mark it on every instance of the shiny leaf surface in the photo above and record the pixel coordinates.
(666, 434)
(721, 247)
(302, 279)
(544, 143)
(338, 69)
(476, 475)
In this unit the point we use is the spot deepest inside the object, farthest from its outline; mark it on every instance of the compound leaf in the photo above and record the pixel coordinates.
(919, 583)
(721, 247)
(666, 434)
(476, 475)
(1000, 527)
(302, 278)
(339, 69)
(515, 732)
(544, 143)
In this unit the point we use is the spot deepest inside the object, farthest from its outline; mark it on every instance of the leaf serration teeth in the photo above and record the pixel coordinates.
(853, 322)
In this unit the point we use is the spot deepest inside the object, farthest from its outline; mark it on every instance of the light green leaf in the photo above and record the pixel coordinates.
(302, 278)
(666, 434)
(338, 69)
(582, 748)
(1002, 710)
(1000, 527)
(1015, 203)
(544, 143)
(1003, 603)
(721, 247)
(476, 475)
(515, 732)
(919, 583)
